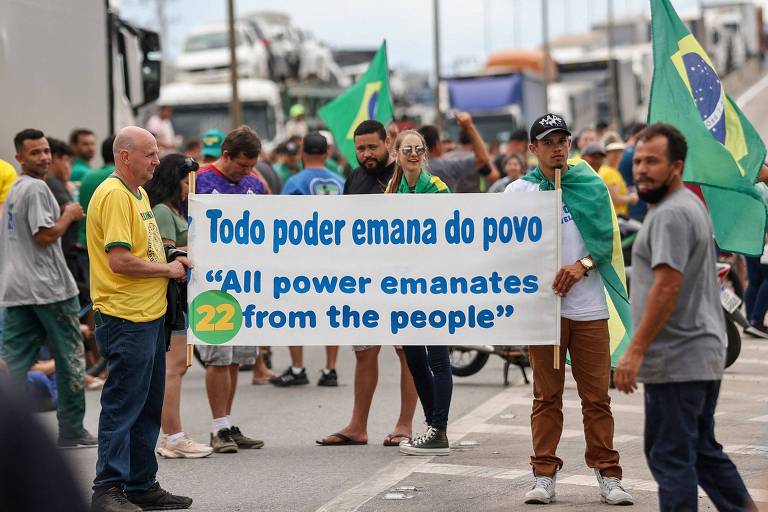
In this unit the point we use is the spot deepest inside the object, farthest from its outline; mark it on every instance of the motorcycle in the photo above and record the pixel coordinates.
(467, 360)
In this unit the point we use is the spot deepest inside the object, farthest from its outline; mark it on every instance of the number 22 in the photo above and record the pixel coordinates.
(209, 313)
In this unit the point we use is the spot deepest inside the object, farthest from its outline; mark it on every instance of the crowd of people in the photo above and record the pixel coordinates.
(108, 247)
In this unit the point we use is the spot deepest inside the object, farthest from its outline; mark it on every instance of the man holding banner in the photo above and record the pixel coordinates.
(589, 269)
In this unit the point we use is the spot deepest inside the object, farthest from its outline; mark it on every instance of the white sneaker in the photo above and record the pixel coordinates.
(542, 492)
(182, 448)
(611, 490)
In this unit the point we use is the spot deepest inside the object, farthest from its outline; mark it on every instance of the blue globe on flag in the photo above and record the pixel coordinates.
(372, 104)
(707, 91)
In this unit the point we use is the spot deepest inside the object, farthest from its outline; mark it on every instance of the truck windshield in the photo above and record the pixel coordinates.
(210, 41)
(193, 120)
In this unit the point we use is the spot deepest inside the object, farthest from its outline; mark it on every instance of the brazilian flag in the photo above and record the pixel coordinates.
(724, 150)
(368, 99)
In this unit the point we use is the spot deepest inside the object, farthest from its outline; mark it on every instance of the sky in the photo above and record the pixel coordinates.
(470, 29)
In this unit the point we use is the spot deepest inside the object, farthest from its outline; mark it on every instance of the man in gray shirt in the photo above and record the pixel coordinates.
(471, 173)
(37, 288)
(678, 348)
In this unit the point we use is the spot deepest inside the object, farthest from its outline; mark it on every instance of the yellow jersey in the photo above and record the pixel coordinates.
(612, 176)
(7, 177)
(118, 217)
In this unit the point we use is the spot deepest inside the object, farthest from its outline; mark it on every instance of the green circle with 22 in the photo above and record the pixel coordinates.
(215, 317)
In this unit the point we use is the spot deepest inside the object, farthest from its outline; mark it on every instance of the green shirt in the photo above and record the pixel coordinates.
(79, 169)
(426, 184)
(171, 226)
(284, 172)
(87, 187)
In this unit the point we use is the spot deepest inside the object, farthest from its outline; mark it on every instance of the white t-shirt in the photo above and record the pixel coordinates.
(586, 299)
(163, 131)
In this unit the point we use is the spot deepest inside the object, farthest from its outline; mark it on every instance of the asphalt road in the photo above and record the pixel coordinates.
(489, 473)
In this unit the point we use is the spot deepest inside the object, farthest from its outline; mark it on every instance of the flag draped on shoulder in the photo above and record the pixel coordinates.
(724, 150)
(588, 201)
(368, 98)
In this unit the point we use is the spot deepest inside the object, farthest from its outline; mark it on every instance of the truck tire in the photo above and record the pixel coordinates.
(733, 338)
(467, 362)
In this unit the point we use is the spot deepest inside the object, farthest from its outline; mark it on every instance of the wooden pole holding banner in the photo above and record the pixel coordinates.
(557, 262)
(190, 347)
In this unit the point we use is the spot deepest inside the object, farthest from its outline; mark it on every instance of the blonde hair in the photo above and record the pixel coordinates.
(397, 177)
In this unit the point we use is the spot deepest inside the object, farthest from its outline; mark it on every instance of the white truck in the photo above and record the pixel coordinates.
(72, 64)
(201, 106)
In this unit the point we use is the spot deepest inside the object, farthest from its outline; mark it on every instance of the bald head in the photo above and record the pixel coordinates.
(136, 155)
(129, 138)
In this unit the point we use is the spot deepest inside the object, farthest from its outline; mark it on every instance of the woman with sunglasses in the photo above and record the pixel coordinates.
(430, 365)
(167, 191)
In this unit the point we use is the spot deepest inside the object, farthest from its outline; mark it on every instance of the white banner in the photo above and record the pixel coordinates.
(399, 269)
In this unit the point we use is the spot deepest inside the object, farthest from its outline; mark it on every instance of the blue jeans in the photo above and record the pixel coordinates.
(131, 402)
(756, 296)
(431, 370)
(682, 452)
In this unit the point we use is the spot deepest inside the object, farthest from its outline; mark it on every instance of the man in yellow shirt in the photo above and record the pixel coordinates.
(7, 177)
(129, 277)
(617, 187)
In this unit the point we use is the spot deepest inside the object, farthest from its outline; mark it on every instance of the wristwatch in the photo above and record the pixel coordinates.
(588, 265)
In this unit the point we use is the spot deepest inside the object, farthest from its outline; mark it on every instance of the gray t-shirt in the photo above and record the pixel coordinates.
(460, 174)
(31, 274)
(691, 346)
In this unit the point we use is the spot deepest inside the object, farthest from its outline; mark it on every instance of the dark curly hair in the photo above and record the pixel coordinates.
(164, 185)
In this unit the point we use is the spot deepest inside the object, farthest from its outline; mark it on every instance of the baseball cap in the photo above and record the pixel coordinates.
(314, 144)
(594, 149)
(547, 124)
(328, 136)
(212, 140)
(291, 148)
(296, 110)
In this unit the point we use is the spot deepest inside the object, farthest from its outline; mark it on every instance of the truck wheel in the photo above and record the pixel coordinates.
(466, 362)
(733, 348)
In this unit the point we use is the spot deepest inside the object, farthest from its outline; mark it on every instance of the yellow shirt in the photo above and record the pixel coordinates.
(612, 176)
(116, 216)
(7, 177)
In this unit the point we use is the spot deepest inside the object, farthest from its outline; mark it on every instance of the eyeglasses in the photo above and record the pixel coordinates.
(407, 150)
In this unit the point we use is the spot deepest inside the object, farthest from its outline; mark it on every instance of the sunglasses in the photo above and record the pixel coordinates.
(407, 150)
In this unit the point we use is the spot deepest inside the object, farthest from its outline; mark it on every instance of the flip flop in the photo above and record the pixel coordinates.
(344, 441)
(388, 441)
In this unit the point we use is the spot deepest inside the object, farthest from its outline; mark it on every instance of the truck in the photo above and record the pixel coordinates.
(73, 64)
(201, 106)
(498, 102)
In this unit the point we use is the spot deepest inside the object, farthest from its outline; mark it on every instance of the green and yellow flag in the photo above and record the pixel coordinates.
(590, 205)
(724, 150)
(368, 99)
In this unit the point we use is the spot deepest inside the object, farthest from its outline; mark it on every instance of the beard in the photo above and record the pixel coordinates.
(373, 164)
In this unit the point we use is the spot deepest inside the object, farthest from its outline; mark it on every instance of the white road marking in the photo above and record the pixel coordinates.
(392, 473)
(474, 471)
(747, 449)
(518, 430)
(759, 495)
(745, 378)
(742, 360)
(752, 92)
(760, 419)
(576, 404)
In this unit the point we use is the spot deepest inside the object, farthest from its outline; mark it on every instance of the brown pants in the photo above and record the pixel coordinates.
(589, 347)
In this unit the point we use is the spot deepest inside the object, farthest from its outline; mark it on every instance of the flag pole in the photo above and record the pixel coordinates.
(190, 347)
(557, 265)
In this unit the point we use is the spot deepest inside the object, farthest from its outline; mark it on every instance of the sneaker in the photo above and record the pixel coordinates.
(244, 441)
(329, 379)
(82, 440)
(182, 448)
(288, 378)
(222, 441)
(611, 490)
(432, 442)
(158, 498)
(112, 500)
(543, 490)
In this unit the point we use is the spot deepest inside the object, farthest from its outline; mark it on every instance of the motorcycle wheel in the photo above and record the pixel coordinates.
(733, 348)
(467, 362)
